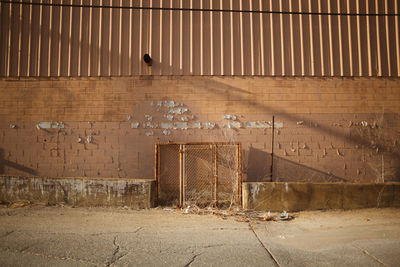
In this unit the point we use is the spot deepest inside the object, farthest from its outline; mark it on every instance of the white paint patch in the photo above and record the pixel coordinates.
(286, 187)
(233, 125)
(169, 117)
(263, 124)
(230, 117)
(151, 133)
(150, 125)
(135, 125)
(166, 125)
(178, 111)
(171, 104)
(48, 125)
(208, 125)
(166, 132)
(181, 125)
(196, 125)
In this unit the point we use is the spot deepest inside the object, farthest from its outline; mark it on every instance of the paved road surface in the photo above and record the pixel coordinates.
(65, 236)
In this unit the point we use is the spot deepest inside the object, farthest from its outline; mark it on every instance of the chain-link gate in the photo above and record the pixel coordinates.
(200, 174)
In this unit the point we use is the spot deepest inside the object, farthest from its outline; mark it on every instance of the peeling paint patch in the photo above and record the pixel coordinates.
(258, 124)
(149, 117)
(196, 125)
(262, 124)
(128, 117)
(171, 104)
(135, 125)
(230, 117)
(151, 133)
(166, 125)
(166, 132)
(150, 125)
(184, 118)
(169, 117)
(233, 125)
(300, 122)
(178, 111)
(208, 125)
(48, 125)
(181, 125)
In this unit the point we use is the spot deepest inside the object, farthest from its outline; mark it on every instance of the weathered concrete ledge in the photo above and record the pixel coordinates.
(278, 196)
(105, 192)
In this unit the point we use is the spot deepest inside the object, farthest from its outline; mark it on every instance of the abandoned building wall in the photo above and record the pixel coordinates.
(326, 129)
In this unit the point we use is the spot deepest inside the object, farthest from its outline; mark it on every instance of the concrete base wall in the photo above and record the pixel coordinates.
(132, 193)
(315, 196)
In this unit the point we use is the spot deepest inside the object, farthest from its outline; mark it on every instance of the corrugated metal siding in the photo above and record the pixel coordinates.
(80, 41)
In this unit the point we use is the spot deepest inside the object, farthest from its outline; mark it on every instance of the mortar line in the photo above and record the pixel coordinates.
(266, 249)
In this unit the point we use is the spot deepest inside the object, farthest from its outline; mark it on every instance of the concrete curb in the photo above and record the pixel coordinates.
(132, 193)
(278, 196)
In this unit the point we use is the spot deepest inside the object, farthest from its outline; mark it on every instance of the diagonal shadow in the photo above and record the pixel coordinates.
(259, 170)
(219, 88)
(4, 162)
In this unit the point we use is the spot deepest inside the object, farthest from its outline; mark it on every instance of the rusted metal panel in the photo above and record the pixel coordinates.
(25, 38)
(4, 34)
(14, 42)
(91, 41)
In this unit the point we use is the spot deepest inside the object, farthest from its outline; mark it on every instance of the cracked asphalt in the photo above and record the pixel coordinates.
(65, 236)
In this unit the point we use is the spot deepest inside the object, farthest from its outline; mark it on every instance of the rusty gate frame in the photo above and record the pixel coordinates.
(181, 162)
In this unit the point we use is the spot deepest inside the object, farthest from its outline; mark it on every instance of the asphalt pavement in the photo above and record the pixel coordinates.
(65, 236)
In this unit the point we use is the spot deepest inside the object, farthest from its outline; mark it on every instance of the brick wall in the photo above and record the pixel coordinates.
(330, 129)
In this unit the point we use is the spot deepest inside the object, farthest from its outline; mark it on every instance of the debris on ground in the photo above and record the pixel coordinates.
(19, 204)
(235, 212)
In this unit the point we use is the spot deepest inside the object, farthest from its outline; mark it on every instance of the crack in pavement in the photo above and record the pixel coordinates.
(369, 254)
(113, 233)
(265, 248)
(7, 234)
(114, 257)
(23, 251)
(192, 260)
(223, 228)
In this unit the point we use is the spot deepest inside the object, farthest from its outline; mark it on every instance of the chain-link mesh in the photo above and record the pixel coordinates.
(227, 175)
(202, 174)
(198, 175)
(168, 174)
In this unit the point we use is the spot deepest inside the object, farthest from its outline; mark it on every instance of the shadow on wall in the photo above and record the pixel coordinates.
(258, 166)
(259, 170)
(4, 163)
(380, 142)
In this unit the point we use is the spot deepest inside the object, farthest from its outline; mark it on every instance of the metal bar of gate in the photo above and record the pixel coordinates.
(157, 170)
(239, 157)
(181, 186)
(215, 174)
